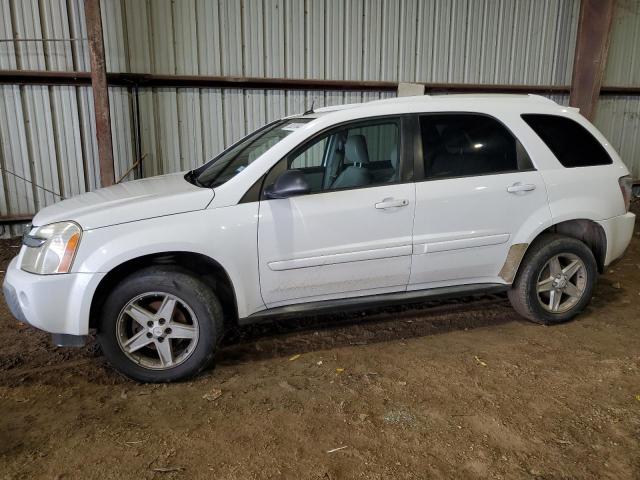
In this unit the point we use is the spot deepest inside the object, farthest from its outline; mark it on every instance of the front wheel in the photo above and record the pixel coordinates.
(159, 325)
(555, 281)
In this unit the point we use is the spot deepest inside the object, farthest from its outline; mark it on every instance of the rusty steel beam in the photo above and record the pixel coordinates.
(592, 46)
(26, 77)
(31, 77)
(100, 91)
(613, 90)
(39, 77)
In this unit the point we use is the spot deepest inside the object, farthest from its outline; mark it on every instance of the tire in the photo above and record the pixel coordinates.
(539, 271)
(141, 343)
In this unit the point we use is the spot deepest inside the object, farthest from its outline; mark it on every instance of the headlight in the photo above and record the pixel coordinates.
(51, 248)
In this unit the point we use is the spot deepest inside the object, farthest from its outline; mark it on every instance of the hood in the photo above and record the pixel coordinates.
(128, 202)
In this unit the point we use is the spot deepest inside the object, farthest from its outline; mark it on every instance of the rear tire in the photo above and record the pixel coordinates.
(555, 280)
(161, 324)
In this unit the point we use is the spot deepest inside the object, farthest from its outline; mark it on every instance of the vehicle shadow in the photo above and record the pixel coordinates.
(298, 335)
(278, 338)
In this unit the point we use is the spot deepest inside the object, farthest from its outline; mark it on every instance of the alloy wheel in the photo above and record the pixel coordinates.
(157, 330)
(561, 283)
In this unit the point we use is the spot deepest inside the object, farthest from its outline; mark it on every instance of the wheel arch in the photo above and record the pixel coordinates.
(587, 231)
(205, 268)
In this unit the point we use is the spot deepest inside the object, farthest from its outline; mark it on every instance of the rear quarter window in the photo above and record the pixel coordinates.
(570, 142)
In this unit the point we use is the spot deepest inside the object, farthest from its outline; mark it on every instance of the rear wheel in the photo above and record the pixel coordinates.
(555, 281)
(159, 325)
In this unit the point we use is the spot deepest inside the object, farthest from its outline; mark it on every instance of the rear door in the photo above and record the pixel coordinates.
(351, 236)
(480, 196)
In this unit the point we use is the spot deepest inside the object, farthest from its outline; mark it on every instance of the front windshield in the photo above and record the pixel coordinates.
(237, 157)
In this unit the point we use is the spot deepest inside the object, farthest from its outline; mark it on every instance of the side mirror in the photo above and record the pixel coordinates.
(288, 184)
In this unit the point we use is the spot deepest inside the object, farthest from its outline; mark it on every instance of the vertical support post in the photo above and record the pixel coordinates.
(590, 59)
(100, 91)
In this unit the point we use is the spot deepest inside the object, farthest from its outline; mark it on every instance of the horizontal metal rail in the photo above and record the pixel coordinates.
(18, 40)
(7, 219)
(29, 77)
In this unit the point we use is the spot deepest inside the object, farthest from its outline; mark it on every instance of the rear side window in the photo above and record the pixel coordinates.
(570, 142)
(465, 144)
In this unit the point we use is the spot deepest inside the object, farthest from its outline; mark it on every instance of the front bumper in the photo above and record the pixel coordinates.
(618, 231)
(59, 304)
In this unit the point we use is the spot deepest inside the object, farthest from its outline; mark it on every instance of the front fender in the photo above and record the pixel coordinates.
(226, 235)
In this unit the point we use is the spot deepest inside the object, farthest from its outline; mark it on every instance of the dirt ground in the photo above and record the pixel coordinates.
(460, 389)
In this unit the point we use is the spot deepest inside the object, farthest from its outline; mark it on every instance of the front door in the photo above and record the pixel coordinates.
(351, 235)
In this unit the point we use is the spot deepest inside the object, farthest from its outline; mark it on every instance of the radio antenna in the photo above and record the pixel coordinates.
(313, 102)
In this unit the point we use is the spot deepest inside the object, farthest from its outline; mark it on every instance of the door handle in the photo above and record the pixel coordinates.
(521, 187)
(391, 203)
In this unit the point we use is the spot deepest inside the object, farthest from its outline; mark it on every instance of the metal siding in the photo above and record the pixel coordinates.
(274, 41)
(255, 109)
(114, 35)
(618, 118)
(137, 17)
(167, 146)
(353, 40)
(230, 28)
(88, 137)
(490, 41)
(161, 49)
(294, 38)
(122, 131)
(56, 25)
(233, 115)
(623, 63)
(390, 41)
(185, 37)
(15, 158)
(212, 121)
(189, 128)
(38, 122)
(78, 30)
(149, 132)
(7, 49)
(253, 44)
(372, 39)
(48, 133)
(407, 41)
(334, 19)
(67, 136)
(314, 39)
(275, 101)
(29, 55)
(209, 48)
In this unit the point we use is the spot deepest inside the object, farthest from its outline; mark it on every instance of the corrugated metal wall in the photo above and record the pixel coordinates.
(477, 41)
(368, 40)
(48, 134)
(618, 117)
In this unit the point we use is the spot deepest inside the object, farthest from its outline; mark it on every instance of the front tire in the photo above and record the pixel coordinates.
(161, 324)
(555, 280)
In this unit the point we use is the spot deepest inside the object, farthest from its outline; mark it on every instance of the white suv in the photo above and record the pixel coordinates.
(354, 205)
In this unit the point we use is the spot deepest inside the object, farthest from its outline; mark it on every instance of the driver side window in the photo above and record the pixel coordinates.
(351, 156)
